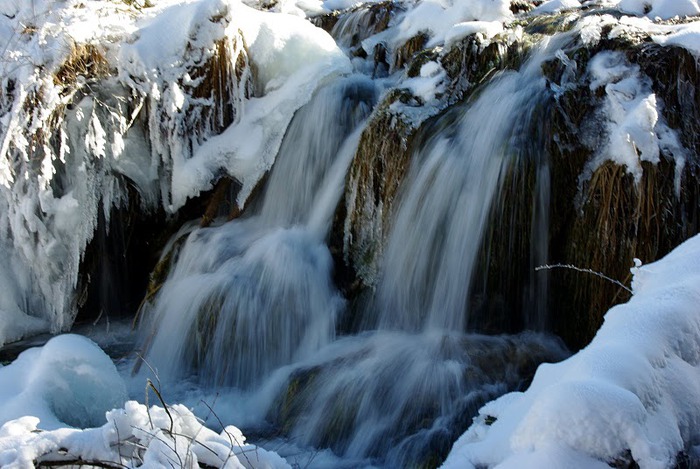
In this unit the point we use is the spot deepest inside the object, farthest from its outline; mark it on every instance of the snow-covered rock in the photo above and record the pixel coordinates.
(70, 380)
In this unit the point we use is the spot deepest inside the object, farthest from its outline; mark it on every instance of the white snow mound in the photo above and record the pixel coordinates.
(634, 390)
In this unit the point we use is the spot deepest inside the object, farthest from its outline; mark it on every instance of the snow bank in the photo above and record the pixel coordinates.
(635, 388)
(70, 381)
(134, 436)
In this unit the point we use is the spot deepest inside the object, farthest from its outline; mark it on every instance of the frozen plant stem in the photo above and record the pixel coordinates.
(150, 384)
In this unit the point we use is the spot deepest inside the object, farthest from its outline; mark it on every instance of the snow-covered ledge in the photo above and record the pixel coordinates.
(633, 392)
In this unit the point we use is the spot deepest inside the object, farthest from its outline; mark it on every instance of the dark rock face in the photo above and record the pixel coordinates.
(611, 219)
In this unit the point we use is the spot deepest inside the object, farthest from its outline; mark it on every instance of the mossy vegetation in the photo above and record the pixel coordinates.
(404, 54)
(602, 222)
(379, 166)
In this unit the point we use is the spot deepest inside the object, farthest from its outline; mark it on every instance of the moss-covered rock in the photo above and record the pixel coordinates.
(601, 221)
(379, 166)
(553, 208)
(383, 157)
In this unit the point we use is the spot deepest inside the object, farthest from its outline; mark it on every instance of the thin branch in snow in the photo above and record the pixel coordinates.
(231, 438)
(586, 271)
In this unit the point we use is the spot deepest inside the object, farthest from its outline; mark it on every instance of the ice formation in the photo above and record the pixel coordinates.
(69, 380)
(92, 101)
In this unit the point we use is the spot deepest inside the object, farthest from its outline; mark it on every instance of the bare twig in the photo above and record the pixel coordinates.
(150, 384)
(585, 271)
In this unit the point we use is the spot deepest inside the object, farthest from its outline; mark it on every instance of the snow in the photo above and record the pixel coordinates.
(664, 9)
(486, 29)
(65, 400)
(555, 6)
(636, 386)
(430, 83)
(685, 35)
(636, 130)
(292, 59)
(438, 18)
(134, 436)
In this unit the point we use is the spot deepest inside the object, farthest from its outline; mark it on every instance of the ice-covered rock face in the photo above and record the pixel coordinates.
(70, 380)
(93, 101)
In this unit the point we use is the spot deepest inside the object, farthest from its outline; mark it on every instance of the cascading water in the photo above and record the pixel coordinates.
(401, 394)
(251, 303)
(443, 214)
(255, 294)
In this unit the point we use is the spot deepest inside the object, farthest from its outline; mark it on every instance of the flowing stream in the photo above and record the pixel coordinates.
(251, 305)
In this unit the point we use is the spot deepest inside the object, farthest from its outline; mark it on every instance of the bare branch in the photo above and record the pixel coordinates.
(585, 271)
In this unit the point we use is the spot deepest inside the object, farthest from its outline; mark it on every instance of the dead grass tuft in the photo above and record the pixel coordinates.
(85, 62)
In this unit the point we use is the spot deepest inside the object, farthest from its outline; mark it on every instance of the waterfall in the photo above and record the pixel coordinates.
(401, 391)
(251, 305)
(254, 294)
(393, 173)
(398, 399)
(434, 245)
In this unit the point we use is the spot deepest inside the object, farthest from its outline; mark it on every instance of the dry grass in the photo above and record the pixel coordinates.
(223, 81)
(621, 220)
(405, 53)
(85, 62)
